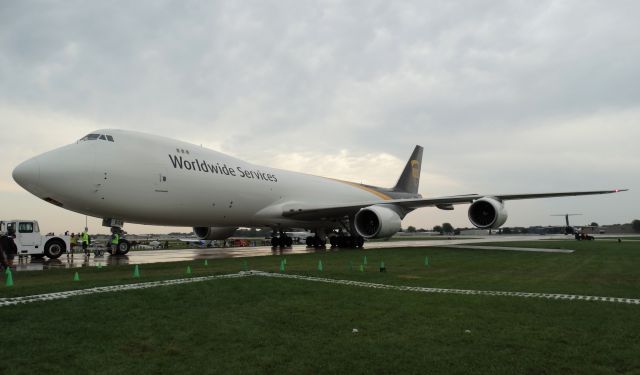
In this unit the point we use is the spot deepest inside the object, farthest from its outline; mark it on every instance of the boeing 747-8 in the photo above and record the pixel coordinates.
(125, 176)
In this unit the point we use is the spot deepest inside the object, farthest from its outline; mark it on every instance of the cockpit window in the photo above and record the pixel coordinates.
(90, 137)
(93, 137)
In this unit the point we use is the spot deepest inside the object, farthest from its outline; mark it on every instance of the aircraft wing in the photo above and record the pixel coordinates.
(309, 212)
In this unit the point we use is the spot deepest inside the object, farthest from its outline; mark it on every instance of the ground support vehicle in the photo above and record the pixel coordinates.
(30, 241)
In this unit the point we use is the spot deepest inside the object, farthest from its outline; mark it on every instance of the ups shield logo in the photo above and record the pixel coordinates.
(415, 169)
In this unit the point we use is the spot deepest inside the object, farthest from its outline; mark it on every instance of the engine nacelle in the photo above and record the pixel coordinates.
(487, 213)
(214, 233)
(377, 221)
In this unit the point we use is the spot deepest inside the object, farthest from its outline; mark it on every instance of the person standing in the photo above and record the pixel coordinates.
(4, 247)
(85, 242)
(8, 248)
(115, 240)
(73, 242)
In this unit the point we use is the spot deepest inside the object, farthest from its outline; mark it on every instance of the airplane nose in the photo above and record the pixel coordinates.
(27, 174)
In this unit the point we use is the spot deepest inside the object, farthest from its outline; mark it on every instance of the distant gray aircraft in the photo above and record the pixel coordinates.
(569, 229)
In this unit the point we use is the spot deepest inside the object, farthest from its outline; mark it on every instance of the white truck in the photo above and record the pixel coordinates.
(30, 242)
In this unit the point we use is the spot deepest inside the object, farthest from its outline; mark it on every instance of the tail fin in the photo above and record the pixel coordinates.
(410, 177)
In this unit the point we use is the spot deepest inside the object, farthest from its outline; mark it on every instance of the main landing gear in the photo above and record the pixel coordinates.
(316, 242)
(336, 239)
(282, 241)
(348, 242)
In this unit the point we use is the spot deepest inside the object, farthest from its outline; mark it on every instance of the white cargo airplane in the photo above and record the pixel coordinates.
(125, 176)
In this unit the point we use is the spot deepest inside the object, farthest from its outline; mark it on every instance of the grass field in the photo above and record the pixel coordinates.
(256, 325)
(634, 238)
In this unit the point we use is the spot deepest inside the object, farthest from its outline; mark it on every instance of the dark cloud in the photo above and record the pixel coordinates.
(471, 81)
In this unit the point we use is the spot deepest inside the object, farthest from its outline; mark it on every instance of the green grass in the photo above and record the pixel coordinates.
(285, 326)
(257, 325)
(635, 238)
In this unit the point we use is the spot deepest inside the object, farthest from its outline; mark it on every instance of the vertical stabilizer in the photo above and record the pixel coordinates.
(410, 177)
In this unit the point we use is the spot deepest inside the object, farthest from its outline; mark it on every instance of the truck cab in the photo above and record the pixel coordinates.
(30, 241)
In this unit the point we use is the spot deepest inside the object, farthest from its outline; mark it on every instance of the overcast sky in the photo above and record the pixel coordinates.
(505, 97)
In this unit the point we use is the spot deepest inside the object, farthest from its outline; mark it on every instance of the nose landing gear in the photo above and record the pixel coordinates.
(123, 245)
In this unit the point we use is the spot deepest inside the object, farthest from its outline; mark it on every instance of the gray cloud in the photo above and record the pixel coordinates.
(513, 96)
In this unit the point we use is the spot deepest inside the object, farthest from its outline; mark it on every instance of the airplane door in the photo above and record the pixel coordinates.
(160, 180)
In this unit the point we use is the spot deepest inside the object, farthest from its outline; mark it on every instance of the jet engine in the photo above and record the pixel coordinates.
(487, 213)
(377, 221)
(214, 233)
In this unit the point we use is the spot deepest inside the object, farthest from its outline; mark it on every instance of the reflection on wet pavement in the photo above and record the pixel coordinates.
(159, 256)
(155, 256)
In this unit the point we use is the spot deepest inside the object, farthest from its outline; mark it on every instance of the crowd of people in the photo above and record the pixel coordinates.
(82, 238)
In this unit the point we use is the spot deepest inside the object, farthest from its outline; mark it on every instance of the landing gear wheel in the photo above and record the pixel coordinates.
(123, 247)
(275, 241)
(53, 249)
(318, 242)
(333, 241)
(288, 241)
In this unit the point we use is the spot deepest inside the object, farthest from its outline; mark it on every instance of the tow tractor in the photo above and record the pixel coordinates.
(29, 241)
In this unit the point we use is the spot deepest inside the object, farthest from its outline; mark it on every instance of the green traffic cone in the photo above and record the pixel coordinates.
(136, 272)
(382, 268)
(426, 261)
(9, 281)
(282, 266)
(7, 271)
(285, 261)
(76, 277)
(206, 263)
(320, 267)
(365, 260)
(361, 268)
(99, 265)
(188, 270)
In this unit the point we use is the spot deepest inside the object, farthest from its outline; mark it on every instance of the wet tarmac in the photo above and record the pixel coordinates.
(160, 256)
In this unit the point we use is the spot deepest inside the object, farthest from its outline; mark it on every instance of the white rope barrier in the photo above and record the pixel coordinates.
(360, 284)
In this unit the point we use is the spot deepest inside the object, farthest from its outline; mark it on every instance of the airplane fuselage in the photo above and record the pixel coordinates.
(149, 179)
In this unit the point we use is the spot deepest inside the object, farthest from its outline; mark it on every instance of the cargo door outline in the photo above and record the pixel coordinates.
(160, 180)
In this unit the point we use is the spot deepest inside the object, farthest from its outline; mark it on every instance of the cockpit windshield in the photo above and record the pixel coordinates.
(90, 137)
(93, 137)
